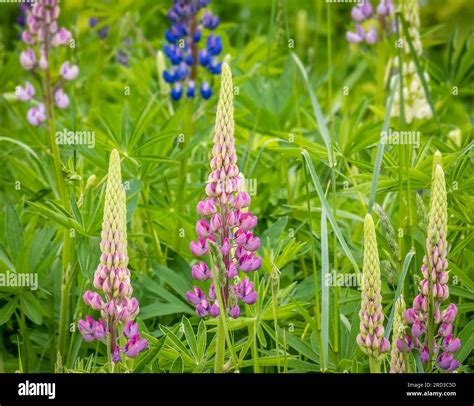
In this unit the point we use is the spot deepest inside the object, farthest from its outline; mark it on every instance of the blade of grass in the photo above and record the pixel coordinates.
(324, 290)
(316, 109)
(380, 147)
(401, 279)
(330, 216)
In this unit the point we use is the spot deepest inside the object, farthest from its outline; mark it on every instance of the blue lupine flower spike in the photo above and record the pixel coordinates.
(191, 64)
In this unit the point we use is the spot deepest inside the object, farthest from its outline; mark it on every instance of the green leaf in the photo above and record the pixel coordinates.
(157, 159)
(163, 309)
(324, 202)
(38, 247)
(14, 231)
(324, 290)
(56, 213)
(401, 279)
(302, 347)
(467, 342)
(177, 367)
(7, 310)
(174, 342)
(21, 144)
(274, 232)
(5, 260)
(85, 256)
(190, 337)
(31, 307)
(202, 339)
(380, 147)
(173, 279)
(160, 291)
(317, 111)
(149, 356)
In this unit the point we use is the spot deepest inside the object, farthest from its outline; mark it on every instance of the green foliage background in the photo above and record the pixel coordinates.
(293, 327)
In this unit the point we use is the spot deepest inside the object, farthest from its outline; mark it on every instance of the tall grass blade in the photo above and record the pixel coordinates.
(380, 147)
(330, 216)
(324, 290)
(316, 109)
(401, 279)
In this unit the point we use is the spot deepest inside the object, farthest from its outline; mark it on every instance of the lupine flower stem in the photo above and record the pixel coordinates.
(117, 307)
(275, 281)
(66, 250)
(431, 305)
(426, 316)
(218, 268)
(183, 177)
(42, 34)
(374, 365)
(371, 338)
(398, 362)
(220, 334)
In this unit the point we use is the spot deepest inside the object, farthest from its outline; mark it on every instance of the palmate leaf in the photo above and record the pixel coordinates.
(7, 310)
(467, 342)
(163, 309)
(14, 231)
(57, 214)
(32, 307)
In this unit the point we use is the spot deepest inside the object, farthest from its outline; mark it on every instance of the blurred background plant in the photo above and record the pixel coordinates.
(309, 112)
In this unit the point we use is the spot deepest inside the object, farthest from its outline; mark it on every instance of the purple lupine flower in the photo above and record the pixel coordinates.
(61, 98)
(117, 306)
(24, 8)
(188, 21)
(201, 272)
(434, 284)
(116, 356)
(135, 345)
(226, 226)
(130, 329)
(25, 93)
(375, 23)
(68, 71)
(42, 35)
(101, 32)
(87, 328)
(36, 115)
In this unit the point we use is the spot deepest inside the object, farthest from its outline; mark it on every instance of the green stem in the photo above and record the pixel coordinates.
(313, 256)
(66, 250)
(429, 364)
(374, 365)
(329, 54)
(275, 324)
(26, 341)
(222, 323)
(333, 184)
(380, 72)
(254, 349)
(220, 347)
(180, 199)
(64, 309)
